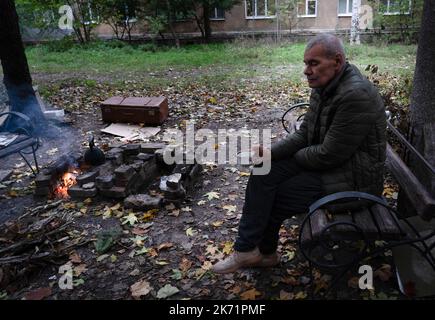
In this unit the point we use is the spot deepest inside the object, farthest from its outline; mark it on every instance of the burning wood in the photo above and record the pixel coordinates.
(67, 180)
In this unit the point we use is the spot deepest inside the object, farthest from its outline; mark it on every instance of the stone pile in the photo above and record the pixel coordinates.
(128, 172)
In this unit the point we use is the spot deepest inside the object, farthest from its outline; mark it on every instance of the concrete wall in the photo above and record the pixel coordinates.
(327, 19)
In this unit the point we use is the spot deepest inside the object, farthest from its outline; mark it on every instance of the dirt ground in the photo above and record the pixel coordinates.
(165, 254)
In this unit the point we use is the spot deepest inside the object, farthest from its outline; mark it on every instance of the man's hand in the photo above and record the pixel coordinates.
(260, 154)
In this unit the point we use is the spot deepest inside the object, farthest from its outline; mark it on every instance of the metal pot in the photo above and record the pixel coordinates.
(94, 156)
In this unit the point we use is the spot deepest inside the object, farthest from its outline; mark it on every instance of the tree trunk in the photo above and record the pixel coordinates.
(206, 17)
(171, 24)
(355, 28)
(422, 115)
(17, 78)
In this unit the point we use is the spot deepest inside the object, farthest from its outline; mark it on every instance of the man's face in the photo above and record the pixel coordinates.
(319, 68)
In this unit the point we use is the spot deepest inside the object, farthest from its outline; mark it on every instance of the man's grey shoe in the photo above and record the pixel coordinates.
(238, 260)
(268, 260)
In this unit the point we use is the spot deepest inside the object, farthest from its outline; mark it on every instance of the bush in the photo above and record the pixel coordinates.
(149, 47)
(62, 45)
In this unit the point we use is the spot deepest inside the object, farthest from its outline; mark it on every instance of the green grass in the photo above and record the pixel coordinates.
(221, 62)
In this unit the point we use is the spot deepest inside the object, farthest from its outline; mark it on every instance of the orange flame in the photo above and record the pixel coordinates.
(67, 180)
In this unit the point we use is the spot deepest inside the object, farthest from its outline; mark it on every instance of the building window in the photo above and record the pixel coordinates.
(393, 7)
(260, 9)
(217, 14)
(307, 8)
(345, 7)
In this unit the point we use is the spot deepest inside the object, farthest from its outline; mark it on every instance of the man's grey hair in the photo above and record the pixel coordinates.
(331, 43)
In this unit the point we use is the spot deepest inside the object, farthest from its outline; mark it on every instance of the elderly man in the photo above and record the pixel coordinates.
(340, 146)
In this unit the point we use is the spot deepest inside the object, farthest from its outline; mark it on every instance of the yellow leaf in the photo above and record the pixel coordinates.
(116, 206)
(13, 193)
(162, 262)
(250, 294)
(230, 208)
(212, 100)
(217, 224)
(87, 201)
(84, 210)
(206, 265)
(190, 232)
(289, 254)
(244, 174)
(131, 219)
(212, 195)
(228, 247)
(300, 295)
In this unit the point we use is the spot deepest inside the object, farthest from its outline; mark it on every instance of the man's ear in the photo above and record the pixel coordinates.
(339, 60)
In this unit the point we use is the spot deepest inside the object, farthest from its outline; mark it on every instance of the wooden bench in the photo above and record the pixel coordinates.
(338, 237)
(23, 140)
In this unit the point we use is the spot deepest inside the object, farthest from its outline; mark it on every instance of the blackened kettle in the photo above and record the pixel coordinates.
(94, 156)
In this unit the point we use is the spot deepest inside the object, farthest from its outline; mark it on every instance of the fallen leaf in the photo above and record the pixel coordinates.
(353, 282)
(38, 294)
(190, 232)
(75, 258)
(102, 257)
(228, 247)
(230, 208)
(141, 251)
(384, 272)
(115, 207)
(185, 265)
(284, 295)
(211, 250)
(301, 295)
(217, 224)
(78, 282)
(167, 291)
(140, 288)
(250, 294)
(212, 195)
(52, 151)
(289, 255)
(78, 270)
(130, 219)
(176, 274)
(165, 245)
(138, 231)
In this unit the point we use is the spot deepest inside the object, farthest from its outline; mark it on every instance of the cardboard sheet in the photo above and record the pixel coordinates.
(130, 131)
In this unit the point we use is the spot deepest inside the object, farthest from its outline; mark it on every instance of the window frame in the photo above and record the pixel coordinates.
(306, 10)
(397, 13)
(348, 10)
(215, 9)
(255, 16)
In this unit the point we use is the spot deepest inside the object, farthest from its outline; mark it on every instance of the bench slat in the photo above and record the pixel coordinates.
(387, 226)
(343, 228)
(364, 220)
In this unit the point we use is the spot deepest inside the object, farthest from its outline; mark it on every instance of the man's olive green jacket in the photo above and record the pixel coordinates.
(343, 135)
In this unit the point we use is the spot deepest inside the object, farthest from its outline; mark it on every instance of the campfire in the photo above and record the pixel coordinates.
(66, 181)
